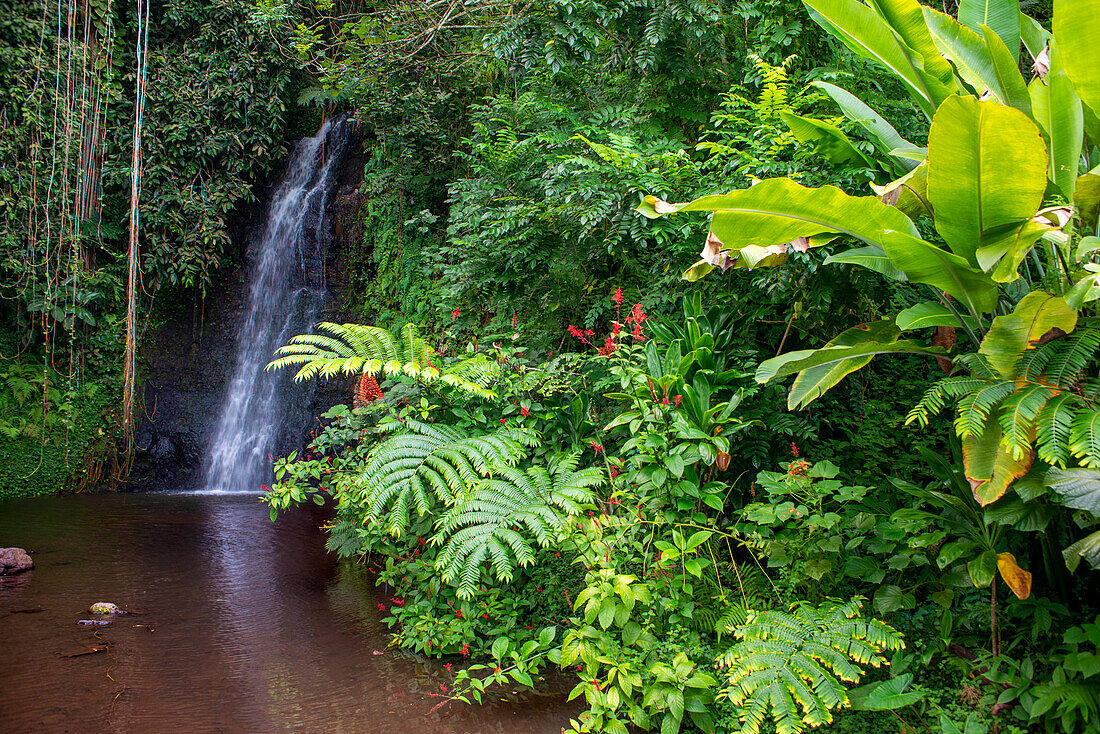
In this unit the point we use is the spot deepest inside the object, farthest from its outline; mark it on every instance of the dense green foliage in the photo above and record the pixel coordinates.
(214, 123)
(627, 498)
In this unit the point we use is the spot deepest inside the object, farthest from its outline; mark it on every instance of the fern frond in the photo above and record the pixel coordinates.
(1018, 414)
(425, 465)
(1072, 354)
(493, 522)
(975, 408)
(791, 664)
(1084, 437)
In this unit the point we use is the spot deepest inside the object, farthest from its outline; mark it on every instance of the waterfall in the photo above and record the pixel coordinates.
(286, 293)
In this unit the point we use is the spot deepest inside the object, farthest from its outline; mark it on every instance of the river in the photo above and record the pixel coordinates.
(240, 625)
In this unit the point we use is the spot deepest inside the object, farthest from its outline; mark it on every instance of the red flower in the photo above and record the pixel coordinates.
(367, 391)
(503, 422)
(465, 649)
(617, 298)
(614, 473)
(456, 313)
(794, 449)
(677, 398)
(458, 614)
(595, 446)
(524, 412)
(381, 607)
(398, 602)
(447, 667)
(443, 687)
(608, 347)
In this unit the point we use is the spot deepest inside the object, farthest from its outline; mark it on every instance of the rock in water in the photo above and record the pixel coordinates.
(103, 607)
(14, 560)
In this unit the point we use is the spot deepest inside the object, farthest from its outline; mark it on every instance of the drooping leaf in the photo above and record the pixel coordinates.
(990, 468)
(827, 140)
(987, 168)
(1087, 548)
(928, 314)
(871, 257)
(909, 194)
(1086, 198)
(1017, 578)
(882, 134)
(813, 382)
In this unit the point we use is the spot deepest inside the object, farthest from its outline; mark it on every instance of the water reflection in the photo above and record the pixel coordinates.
(245, 626)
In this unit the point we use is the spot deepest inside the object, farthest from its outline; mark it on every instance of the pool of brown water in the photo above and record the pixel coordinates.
(240, 625)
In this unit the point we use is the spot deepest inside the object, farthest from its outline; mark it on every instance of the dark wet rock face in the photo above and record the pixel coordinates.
(14, 560)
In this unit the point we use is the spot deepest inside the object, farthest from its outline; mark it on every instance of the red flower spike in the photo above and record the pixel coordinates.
(617, 297)
(367, 391)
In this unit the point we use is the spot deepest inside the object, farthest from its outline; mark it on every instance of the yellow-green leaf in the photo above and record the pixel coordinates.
(1017, 578)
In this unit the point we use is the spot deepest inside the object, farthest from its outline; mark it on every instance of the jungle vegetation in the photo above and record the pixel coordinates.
(735, 360)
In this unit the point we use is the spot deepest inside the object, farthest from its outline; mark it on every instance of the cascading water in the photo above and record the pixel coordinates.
(285, 296)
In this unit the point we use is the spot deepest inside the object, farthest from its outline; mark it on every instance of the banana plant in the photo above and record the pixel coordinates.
(1006, 183)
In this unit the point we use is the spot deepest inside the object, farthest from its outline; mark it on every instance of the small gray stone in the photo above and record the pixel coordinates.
(14, 560)
(103, 607)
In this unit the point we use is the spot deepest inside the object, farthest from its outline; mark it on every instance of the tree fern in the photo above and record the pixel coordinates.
(793, 666)
(349, 349)
(1051, 405)
(489, 523)
(425, 465)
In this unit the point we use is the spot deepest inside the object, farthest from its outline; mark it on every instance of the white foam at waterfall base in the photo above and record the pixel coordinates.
(286, 293)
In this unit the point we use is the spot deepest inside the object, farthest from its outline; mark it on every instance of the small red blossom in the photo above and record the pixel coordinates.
(595, 446)
(447, 667)
(456, 313)
(524, 412)
(381, 607)
(614, 473)
(443, 687)
(794, 449)
(677, 398)
(503, 422)
(458, 614)
(465, 649)
(617, 297)
(398, 602)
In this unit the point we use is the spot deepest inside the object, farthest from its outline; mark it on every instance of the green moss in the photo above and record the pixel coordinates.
(33, 465)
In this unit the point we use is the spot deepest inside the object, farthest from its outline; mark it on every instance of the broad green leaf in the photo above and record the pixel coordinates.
(813, 382)
(1079, 488)
(1087, 548)
(1017, 578)
(989, 467)
(1035, 315)
(907, 20)
(1033, 35)
(982, 569)
(778, 211)
(1003, 16)
(923, 262)
(886, 695)
(986, 171)
(872, 257)
(983, 63)
(928, 314)
(891, 598)
(882, 134)
(1057, 109)
(863, 31)
(1086, 198)
(827, 140)
(1076, 30)
(845, 359)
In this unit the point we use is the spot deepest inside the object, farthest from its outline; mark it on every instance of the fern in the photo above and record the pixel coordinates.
(488, 524)
(351, 349)
(785, 662)
(425, 465)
